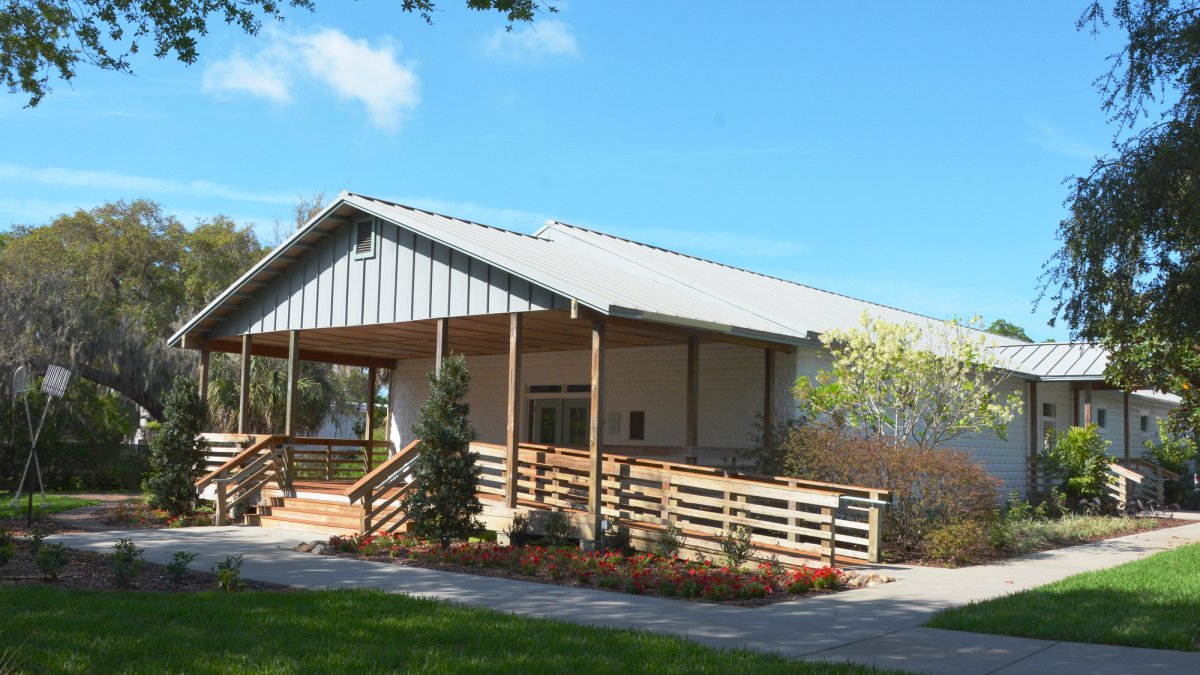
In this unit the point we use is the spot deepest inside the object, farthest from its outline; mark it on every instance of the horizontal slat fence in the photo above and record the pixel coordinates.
(786, 515)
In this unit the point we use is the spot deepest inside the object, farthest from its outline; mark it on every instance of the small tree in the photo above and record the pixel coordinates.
(443, 501)
(1080, 456)
(176, 450)
(924, 385)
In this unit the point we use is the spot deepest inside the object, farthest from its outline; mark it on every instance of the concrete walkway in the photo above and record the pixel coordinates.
(880, 625)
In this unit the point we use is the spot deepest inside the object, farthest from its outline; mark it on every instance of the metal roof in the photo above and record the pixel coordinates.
(1057, 360)
(620, 277)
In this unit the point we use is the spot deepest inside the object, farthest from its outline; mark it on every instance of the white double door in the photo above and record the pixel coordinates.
(560, 421)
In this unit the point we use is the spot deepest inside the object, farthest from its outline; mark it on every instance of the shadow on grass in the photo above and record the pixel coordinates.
(329, 631)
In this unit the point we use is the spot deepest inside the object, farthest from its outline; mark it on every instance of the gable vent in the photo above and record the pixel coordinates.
(364, 240)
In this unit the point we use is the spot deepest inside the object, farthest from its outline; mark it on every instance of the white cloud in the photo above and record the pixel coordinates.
(111, 180)
(355, 70)
(352, 68)
(1052, 139)
(532, 42)
(257, 76)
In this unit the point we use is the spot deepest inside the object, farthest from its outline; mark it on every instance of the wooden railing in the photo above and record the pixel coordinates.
(247, 472)
(1134, 479)
(1129, 480)
(381, 490)
(334, 459)
(786, 515)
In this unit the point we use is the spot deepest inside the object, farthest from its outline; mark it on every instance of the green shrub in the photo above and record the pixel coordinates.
(930, 487)
(670, 541)
(1080, 457)
(177, 451)
(519, 530)
(557, 527)
(964, 543)
(736, 547)
(229, 573)
(34, 541)
(127, 562)
(1173, 452)
(178, 566)
(8, 547)
(51, 559)
(618, 538)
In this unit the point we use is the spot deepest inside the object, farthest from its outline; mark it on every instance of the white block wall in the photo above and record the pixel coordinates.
(652, 379)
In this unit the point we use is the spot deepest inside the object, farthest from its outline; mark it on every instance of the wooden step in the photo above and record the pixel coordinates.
(284, 523)
(316, 506)
(351, 521)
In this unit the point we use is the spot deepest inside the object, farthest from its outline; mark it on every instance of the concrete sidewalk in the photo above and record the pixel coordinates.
(880, 625)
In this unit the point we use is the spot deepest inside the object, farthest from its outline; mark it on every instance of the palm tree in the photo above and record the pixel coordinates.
(315, 393)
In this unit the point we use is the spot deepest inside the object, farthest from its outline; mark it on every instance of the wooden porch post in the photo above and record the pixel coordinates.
(768, 397)
(244, 393)
(1034, 445)
(442, 348)
(203, 384)
(512, 454)
(1125, 419)
(372, 374)
(293, 374)
(693, 391)
(1087, 404)
(596, 432)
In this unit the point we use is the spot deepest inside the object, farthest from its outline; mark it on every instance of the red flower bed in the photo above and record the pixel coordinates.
(639, 573)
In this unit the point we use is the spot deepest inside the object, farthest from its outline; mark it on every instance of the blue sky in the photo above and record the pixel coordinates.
(911, 154)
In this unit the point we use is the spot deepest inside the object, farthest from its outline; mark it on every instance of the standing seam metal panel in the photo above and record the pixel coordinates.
(410, 278)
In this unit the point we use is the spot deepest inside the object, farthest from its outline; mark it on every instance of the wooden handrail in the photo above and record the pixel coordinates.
(237, 460)
(382, 472)
(785, 514)
(1138, 462)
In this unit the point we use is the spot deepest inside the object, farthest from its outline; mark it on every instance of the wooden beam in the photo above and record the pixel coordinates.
(314, 355)
(1125, 419)
(441, 347)
(244, 392)
(617, 323)
(1087, 404)
(372, 375)
(293, 375)
(203, 379)
(693, 391)
(1034, 438)
(768, 397)
(511, 440)
(596, 430)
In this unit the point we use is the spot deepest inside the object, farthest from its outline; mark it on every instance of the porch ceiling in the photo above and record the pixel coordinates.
(544, 331)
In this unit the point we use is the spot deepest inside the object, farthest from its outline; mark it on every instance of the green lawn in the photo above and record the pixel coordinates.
(50, 630)
(1153, 602)
(55, 503)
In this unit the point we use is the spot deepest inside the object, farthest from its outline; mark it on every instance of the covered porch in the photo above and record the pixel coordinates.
(593, 391)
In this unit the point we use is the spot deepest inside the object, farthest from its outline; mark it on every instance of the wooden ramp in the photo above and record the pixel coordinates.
(792, 520)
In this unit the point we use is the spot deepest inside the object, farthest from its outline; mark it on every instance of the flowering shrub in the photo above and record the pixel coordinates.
(638, 573)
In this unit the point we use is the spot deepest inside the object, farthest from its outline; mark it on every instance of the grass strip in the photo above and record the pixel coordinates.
(1154, 602)
(44, 629)
(54, 503)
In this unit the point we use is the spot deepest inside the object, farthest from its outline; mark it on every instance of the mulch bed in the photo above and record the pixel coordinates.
(86, 570)
(1162, 522)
